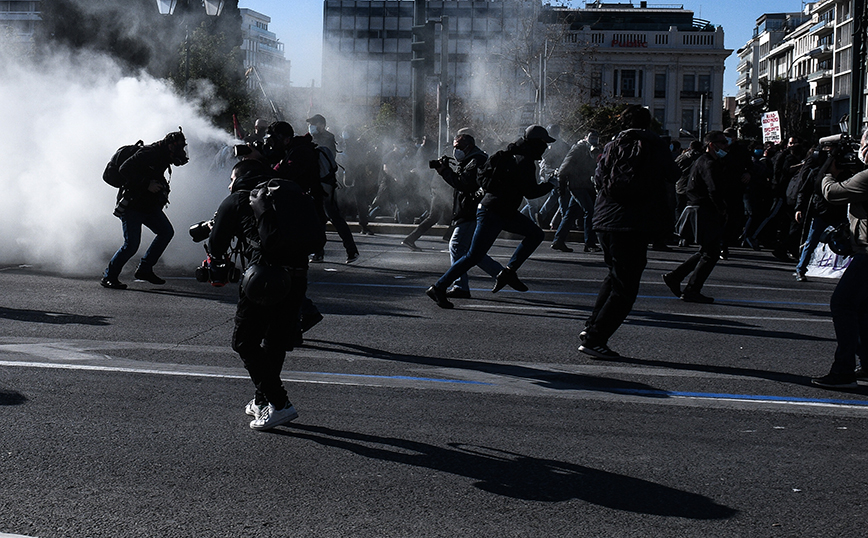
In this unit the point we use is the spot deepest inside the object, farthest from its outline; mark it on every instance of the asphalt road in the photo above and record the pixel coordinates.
(122, 412)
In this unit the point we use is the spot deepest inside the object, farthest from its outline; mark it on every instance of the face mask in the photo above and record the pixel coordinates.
(863, 154)
(671, 147)
(458, 154)
(758, 152)
(179, 157)
(312, 130)
(729, 140)
(721, 153)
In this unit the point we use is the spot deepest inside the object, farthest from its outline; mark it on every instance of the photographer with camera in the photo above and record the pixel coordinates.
(849, 303)
(507, 177)
(144, 194)
(465, 199)
(266, 317)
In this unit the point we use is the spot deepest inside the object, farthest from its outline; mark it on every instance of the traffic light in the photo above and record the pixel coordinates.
(423, 47)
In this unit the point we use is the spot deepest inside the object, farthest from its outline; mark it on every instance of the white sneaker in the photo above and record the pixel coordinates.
(270, 417)
(252, 408)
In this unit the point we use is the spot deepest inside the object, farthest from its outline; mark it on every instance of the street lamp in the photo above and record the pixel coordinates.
(213, 8)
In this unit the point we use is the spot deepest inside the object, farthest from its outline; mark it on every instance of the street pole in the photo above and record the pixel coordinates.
(857, 91)
(443, 139)
(418, 88)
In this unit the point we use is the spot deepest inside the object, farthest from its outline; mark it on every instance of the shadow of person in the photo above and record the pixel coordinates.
(44, 316)
(522, 477)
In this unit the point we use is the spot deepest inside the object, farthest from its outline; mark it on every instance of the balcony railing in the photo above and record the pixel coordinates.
(691, 94)
(820, 75)
(821, 98)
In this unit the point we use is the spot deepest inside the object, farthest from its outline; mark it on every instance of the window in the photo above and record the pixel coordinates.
(596, 86)
(689, 84)
(688, 122)
(660, 85)
(660, 115)
(704, 83)
(628, 82)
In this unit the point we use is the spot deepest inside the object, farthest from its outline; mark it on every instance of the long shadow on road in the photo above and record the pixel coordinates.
(546, 378)
(522, 477)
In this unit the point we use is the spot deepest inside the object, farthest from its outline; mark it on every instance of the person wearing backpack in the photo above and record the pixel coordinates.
(141, 199)
(629, 212)
(507, 177)
(702, 221)
(324, 139)
(264, 327)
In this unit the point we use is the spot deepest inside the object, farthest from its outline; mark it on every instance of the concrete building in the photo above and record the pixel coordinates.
(662, 58)
(811, 54)
(264, 52)
(18, 20)
(509, 56)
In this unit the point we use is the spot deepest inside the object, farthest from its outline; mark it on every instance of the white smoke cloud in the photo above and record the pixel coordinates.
(61, 120)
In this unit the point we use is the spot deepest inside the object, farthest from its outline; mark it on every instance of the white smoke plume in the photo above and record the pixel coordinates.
(61, 120)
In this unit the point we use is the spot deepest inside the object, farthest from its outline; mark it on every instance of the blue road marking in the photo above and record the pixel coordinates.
(749, 397)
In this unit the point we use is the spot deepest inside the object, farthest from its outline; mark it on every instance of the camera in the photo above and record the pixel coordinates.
(843, 149)
(241, 150)
(442, 161)
(200, 231)
(218, 271)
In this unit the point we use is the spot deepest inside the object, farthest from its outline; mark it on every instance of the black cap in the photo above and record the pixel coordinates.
(538, 132)
(316, 118)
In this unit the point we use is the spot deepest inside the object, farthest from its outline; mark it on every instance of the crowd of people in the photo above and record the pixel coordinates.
(636, 191)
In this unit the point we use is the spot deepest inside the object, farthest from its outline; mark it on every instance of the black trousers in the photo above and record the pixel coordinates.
(262, 336)
(625, 253)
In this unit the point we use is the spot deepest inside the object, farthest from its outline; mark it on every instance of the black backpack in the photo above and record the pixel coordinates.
(288, 223)
(497, 174)
(112, 174)
(624, 166)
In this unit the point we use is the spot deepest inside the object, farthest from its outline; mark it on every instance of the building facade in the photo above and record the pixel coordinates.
(18, 19)
(662, 58)
(508, 56)
(263, 51)
(810, 55)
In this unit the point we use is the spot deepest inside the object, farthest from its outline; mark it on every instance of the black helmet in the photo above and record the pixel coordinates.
(265, 285)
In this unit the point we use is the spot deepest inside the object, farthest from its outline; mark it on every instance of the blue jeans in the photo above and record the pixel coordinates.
(132, 222)
(583, 201)
(849, 306)
(488, 226)
(462, 236)
(817, 227)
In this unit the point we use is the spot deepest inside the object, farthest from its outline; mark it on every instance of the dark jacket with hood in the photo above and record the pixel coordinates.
(234, 218)
(466, 195)
(523, 184)
(148, 164)
(640, 205)
(301, 164)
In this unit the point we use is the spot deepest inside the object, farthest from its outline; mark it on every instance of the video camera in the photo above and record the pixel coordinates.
(201, 231)
(844, 150)
(218, 271)
(438, 163)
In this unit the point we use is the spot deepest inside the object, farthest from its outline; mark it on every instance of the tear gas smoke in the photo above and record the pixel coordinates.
(62, 119)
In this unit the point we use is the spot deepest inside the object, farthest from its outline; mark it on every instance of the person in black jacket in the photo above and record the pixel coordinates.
(812, 210)
(466, 197)
(262, 333)
(629, 212)
(702, 220)
(498, 211)
(140, 203)
(330, 210)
